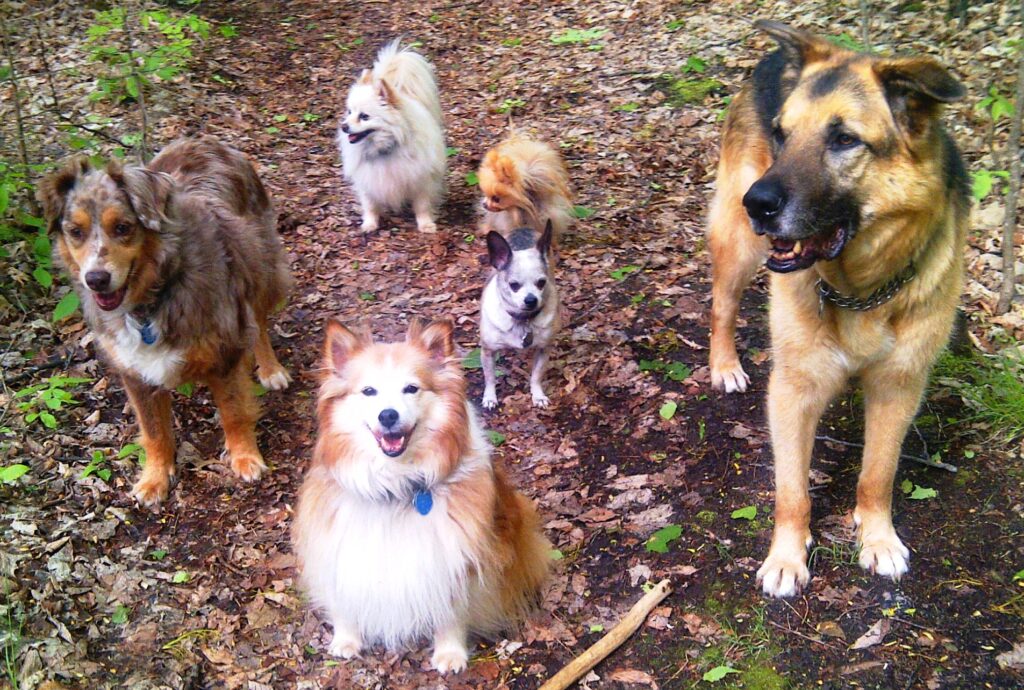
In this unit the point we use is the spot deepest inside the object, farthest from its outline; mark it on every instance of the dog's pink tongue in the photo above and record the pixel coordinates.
(392, 444)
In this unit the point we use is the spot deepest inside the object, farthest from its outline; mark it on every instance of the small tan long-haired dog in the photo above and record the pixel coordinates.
(405, 528)
(524, 184)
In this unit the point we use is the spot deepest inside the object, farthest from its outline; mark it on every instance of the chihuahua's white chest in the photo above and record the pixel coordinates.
(389, 571)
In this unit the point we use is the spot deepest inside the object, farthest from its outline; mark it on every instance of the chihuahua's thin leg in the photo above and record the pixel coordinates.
(540, 362)
(490, 400)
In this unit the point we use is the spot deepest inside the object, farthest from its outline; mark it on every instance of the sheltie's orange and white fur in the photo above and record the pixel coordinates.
(404, 527)
(524, 183)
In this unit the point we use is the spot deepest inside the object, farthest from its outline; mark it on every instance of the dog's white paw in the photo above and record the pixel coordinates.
(276, 380)
(427, 226)
(368, 225)
(882, 552)
(490, 401)
(151, 490)
(248, 466)
(344, 644)
(541, 400)
(784, 573)
(730, 378)
(450, 657)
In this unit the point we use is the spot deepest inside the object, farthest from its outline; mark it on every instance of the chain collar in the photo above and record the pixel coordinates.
(827, 293)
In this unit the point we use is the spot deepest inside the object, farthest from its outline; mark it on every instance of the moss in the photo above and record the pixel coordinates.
(706, 517)
(680, 91)
(759, 674)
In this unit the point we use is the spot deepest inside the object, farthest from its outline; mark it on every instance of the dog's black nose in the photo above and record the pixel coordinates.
(388, 418)
(344, 127)
(765, 199)
(98, 281)
(530, 301)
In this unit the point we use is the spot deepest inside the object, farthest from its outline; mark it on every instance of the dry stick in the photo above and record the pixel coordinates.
(610, 642)
(1009, 288)
(865, 24)
(913, 458)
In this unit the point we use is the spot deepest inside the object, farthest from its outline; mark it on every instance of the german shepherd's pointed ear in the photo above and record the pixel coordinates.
(52, 191)
(544, 243)
(340, 343)
(436, 338)
(499, 252)
(916, 88)
(147, 191)
(387, 94)
(800, 46)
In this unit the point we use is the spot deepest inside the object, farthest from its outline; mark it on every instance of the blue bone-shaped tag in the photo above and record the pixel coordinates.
(423, 500)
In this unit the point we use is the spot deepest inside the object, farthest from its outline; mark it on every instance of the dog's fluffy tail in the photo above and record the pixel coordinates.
(409, 73)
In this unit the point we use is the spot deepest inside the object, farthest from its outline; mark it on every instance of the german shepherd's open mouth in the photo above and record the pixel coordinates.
(793, 255)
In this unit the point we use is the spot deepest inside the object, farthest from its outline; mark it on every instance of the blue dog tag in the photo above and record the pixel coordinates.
(423, 501)
(147, 332)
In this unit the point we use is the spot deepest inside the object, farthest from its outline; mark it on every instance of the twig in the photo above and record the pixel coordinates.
(937, 464)
(610, 642)
(52, 363)
(865, 24)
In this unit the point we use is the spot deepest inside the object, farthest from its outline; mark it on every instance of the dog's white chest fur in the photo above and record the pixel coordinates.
(389, 571)
(156, 364)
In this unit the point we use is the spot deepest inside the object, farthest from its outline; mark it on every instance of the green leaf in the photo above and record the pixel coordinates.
(596, 628)
(280, 118)
(187, 389)
(1019, 575)
(228, 31)
(181, 577)
(495, 437)
(272, 130)
(367, 296)
(310, 117)
(921, 493)
(695, 64)
(12, 472)
(131, 85)
(158, 554)
(451, 151)
(746, 513)
(675, 25)
(472, 359)
(668, 410)
(718, 673)
(258, 389)
(578, 36)
(627, 107)
(620, 274)
(557, 555)
(120, 616)
(906, 486)
(582, 212)
(659, 541)
(677, 371)
(981, 184)
(127, 450)
(472, 178)
(48, 420)
(67, 306)
(512, 42)
(1001, 107)
(43, 277)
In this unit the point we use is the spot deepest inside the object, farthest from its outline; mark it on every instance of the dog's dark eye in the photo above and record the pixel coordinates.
(75, 233)
(496, 199)
(364, 116)
(515, 286)
(122, 229)
(369, 391)
(842, 141)
(778, 136)
(541, 283)
(410, 389)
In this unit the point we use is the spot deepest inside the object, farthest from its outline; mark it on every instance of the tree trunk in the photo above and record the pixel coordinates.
(865, 24)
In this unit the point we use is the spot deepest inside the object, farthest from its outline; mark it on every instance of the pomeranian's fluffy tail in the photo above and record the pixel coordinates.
(409, 73)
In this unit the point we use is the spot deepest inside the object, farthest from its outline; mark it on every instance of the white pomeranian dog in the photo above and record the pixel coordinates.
(392, 140)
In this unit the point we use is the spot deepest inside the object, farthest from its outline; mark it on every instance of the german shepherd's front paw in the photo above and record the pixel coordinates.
(274, 379)
(248, 466)
(152, 489)
(449, 657)
(729, 377)
(784, 573)
(881, 551)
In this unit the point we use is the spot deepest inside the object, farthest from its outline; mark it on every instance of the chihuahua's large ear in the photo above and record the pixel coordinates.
(499, 253)
(436, 338)
(387, 94)
(544, 243)
(916, 88)
(340, 343)
(800, 46)
(52, 191)
(147, 191)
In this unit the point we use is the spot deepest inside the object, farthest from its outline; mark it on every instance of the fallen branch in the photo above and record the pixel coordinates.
(937, 464)
(610, 642)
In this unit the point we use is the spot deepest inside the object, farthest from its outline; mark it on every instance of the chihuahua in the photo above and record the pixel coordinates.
(520, 306)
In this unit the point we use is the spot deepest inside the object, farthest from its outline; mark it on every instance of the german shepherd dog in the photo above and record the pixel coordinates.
(178, 266)
(836, 169)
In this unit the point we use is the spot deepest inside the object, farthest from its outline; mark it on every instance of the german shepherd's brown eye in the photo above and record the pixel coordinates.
(369, 391)
(842, 141)
(410, 389)
(122, 229)
(515, 286)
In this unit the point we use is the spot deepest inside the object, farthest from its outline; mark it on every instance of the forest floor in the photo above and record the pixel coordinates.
(203, 593)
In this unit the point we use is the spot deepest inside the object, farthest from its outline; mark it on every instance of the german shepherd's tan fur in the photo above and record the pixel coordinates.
(854, 149)
(189, 244)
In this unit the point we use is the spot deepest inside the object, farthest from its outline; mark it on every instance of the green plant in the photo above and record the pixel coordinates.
(42, 400)
(982, 182)
(11, 473)
(659, 541)
(673, 371)
(510, 104)
(992, 386)
(845, 40)
(578, 36)
(620, 274)
(995, 105)
(95, 466)
(694, 64)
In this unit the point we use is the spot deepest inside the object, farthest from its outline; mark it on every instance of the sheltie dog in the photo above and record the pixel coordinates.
(178, 266)
(524, 183)
(392, 139)
(405, 528)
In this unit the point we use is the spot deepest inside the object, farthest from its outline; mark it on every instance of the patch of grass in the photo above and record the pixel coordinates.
(992, 386)
(681, 91)
(837, 553)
